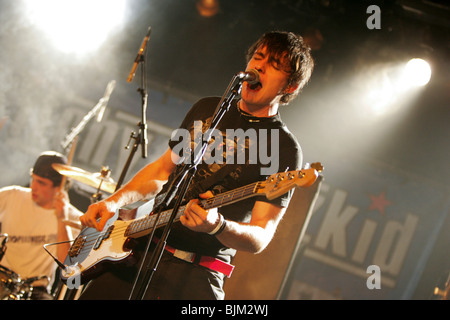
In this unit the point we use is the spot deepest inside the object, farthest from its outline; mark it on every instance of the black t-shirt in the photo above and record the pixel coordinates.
(243, 150)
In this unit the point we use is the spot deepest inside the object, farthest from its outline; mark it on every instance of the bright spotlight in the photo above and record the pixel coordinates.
(391, 86)
(76, 26)
(417, 73)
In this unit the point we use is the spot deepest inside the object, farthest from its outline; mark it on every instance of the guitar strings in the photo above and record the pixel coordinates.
(91, 239)
(144, 220)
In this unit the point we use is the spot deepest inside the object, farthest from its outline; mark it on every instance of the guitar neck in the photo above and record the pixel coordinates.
(143, 226)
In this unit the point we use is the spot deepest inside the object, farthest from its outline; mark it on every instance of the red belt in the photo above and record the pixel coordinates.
(204, 261)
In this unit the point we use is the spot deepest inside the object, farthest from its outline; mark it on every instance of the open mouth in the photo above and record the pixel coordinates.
(255, 86)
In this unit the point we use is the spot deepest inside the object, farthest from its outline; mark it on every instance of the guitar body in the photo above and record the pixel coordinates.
(93, 250)
(88, 261)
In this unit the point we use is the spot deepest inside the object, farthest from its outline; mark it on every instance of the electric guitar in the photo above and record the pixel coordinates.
(92, 248)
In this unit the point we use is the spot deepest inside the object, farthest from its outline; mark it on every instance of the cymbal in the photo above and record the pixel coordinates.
(96, 180)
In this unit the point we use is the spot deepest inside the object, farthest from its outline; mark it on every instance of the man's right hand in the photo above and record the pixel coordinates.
(96, 216)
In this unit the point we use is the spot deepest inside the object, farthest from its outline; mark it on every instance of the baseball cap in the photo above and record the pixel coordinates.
(43, 166)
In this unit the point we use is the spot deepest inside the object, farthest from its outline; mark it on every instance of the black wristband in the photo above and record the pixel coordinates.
(222, 227)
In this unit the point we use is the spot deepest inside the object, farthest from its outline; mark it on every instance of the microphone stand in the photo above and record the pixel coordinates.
(141, 138)
(144, 102)
(179, 186)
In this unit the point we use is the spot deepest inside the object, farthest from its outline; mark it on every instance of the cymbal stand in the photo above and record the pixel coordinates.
(104, 174)
(96, 110)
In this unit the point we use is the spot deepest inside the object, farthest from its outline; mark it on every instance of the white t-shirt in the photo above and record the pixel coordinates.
(29, 227)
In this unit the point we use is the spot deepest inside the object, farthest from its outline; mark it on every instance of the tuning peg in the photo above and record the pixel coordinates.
(318, 166)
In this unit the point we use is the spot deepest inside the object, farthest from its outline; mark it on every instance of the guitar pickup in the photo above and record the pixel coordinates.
(102, 237)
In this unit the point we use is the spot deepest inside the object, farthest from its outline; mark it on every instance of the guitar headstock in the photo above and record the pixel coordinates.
(280, 183)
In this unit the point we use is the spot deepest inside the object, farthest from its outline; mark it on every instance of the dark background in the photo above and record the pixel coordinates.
(191, 56)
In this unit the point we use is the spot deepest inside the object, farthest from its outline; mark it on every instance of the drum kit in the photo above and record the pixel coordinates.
(12, 286)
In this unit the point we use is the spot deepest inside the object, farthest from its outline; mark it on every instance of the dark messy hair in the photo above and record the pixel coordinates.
(291, 49)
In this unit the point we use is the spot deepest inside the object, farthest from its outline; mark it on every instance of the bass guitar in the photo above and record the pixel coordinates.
(92, 248)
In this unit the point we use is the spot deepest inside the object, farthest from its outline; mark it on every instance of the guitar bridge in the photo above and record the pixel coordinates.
(77, 246)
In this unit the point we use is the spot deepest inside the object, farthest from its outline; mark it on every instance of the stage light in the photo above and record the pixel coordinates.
(208, 8)
(390, 86)
(417, 73)
(76, 26)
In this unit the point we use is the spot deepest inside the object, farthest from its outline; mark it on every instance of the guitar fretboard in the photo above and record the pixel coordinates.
(147, 223)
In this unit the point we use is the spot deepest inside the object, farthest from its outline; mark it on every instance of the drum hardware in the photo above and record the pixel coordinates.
(444, 293)
(12, 287)
(100, 180)
(97, 110)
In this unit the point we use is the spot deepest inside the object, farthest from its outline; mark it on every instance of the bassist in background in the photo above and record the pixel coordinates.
(284, 65)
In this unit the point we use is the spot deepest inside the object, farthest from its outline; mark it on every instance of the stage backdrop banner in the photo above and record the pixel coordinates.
(370, 236)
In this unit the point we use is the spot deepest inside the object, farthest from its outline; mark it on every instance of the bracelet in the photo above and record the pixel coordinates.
(219, 226)
(222, 227)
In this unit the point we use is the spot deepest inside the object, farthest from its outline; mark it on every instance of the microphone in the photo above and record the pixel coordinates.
(251, 76)
(105, 99)
(139, 55)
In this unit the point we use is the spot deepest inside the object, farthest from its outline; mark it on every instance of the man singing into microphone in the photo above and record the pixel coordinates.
(202, 243)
